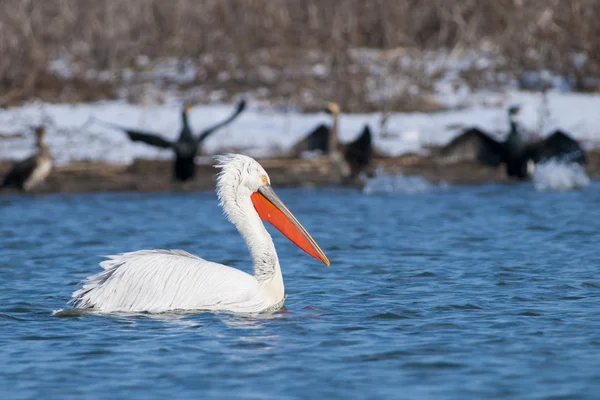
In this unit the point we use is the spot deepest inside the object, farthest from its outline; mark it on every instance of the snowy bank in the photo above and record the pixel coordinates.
(263, 131)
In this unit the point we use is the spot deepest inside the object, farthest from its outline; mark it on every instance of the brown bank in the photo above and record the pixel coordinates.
(155, 175)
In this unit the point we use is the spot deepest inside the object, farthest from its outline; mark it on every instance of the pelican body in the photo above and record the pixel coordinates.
(31, 172)
(170, 280)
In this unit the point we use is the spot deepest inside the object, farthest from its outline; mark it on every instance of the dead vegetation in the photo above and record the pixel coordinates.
(254, 46)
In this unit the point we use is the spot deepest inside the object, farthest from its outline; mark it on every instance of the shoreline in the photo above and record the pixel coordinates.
(146, 175)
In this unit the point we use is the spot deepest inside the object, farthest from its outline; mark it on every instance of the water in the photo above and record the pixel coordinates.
(553, 175)
(470, 292)
(382, 182)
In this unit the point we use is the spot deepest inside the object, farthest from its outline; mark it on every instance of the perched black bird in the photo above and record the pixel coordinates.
(317, 139)
(350, 159)
(186, 147)
(32, 171)
(359, 152)
(514, 152)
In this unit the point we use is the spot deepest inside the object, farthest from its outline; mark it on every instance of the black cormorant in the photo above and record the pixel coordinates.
(32, 171)
(186, 147)
(514, 152)
(350, 159)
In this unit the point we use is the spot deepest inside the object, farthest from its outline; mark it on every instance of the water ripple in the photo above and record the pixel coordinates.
(470, 292)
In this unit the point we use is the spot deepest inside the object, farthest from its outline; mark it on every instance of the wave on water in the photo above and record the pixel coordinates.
(382, 182)
(554, 175)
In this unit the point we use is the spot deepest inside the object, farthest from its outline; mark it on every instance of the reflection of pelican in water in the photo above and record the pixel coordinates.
(29, 173)
(165, 280)
(186, 147)
(349, 159)
(514, 151)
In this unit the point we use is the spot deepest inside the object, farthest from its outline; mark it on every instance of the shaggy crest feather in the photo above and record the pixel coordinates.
(230, 180)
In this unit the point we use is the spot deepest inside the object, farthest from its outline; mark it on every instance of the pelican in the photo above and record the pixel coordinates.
(518, 155)
(168, 280)
(29, 173)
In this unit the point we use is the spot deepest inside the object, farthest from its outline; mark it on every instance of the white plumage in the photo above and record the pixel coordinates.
(162, 280)
(167, 280)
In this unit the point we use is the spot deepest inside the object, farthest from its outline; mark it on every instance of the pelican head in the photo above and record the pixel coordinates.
(187, 107)
(244, 191)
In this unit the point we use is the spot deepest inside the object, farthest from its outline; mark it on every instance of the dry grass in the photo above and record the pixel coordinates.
(109, 35)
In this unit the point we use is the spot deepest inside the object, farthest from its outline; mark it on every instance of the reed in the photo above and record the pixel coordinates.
(110, 34)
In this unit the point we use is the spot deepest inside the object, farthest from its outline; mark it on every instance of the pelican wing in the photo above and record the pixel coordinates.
(141, 136)
(165, 280)
(474, 144)
(20, 172)
(559, 146)
(205, 133)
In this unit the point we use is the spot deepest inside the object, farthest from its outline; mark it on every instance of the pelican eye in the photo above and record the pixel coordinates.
(264, 180)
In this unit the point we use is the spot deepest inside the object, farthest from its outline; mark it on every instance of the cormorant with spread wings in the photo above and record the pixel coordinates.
(514, 152)
(350, 159)
(186, 147)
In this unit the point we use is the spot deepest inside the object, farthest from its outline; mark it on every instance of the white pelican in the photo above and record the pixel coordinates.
(166, 280)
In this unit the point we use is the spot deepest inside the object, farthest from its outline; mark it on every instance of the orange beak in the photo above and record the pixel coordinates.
(271, 209)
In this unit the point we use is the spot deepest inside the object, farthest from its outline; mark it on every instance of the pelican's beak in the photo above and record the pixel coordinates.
(270, 208)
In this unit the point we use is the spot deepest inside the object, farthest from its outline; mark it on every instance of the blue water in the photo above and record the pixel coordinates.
(468, 292)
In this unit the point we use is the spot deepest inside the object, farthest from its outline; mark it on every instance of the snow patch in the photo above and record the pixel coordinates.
(266, 131)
